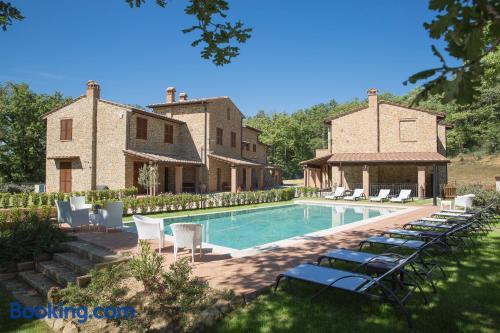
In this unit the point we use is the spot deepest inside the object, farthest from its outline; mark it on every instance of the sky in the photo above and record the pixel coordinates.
(301, 53)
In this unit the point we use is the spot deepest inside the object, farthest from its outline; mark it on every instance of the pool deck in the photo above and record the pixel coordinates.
(251, 275)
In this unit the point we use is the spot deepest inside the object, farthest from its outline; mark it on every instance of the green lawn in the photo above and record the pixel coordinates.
(193, 212)
(18, 325)
(469, 301)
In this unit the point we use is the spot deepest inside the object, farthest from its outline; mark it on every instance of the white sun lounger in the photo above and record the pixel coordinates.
(339, 193)
(358, 194)
(382, 196)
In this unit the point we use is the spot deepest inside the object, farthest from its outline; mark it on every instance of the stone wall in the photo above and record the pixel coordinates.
(80, 145)
(355, 132)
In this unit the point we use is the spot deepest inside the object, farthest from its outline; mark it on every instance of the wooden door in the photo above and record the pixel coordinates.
(65, 177)
(166, 181)
(137, 167)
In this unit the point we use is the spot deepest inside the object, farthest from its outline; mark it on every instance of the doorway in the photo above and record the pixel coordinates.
(65, 177)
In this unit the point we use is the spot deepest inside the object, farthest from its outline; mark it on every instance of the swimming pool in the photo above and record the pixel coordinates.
(256, 227)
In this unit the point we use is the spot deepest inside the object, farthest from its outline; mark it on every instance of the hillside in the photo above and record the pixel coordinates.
(467, 169)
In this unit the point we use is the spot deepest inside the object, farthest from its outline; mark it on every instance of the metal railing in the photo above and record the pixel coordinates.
(395, 188)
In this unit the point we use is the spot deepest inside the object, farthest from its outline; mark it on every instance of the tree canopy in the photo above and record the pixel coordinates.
(295, 137)
(22, 133)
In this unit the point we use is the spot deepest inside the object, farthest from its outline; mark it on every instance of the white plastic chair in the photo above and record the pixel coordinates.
(79, 203)
(112, 215)
(339, 193)
(404, 195)
(149, 228)
(358, 194)
(75, 218)
(382, 195)
(464, 201)
(187, 235)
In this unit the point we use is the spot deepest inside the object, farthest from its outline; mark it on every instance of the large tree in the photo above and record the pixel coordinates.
(22, 133)
(218, 36)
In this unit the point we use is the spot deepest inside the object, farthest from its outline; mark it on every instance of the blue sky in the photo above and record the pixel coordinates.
(301, 52)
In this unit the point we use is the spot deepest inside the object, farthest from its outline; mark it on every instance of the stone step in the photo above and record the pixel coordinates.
(57, 272)
(38, 281)
(74, 261)
(22, 292)
(92, 252)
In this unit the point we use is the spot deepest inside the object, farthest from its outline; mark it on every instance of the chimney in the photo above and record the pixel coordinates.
(183, 97)
(93, 89)
(170, 95)
(372, 98)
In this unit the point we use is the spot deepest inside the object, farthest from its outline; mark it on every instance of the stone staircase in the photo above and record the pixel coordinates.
(31, 287)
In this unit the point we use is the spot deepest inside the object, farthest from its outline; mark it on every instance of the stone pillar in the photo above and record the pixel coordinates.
(366, 180)
(421, 181)
(234, 179)
(261, 178)
(178, 179)
(306, 176)
(249, 179)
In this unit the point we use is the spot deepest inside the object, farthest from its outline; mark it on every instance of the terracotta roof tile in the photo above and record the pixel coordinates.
(155, 157)
(387, 157)
(235, 161)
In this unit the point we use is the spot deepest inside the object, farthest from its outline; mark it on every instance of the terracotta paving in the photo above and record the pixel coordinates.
(252, 274)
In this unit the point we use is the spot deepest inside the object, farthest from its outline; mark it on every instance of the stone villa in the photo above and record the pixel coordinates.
(197, 145)
(382, 145)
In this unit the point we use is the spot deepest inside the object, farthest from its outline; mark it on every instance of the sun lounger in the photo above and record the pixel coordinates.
(404, 195)
(358, 194)
(339, 193)
(353, 282)
(383, 195)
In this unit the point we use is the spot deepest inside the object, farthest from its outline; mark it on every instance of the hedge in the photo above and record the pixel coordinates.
(15, 200)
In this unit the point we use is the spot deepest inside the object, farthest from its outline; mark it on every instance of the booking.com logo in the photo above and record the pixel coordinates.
(81, 313)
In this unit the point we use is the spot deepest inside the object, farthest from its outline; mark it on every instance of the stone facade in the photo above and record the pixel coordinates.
(382, 143)
(105, 150)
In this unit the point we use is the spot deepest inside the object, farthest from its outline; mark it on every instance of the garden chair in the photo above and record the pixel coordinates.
(404, 195)
(383, 195)
(374, 288)
(112, 215)
(79, 203)
(358, 194)
(187, 235)
(74, 217)
(149, 229)
(339, 193)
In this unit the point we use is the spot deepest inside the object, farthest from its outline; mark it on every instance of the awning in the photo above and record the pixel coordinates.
(235, 161)
(420, 157)
(161, 158)
(318, 161)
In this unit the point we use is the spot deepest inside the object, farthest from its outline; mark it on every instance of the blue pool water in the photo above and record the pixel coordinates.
(248, 228)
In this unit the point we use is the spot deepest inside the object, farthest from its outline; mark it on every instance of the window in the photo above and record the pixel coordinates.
(254, 147)
(408, 130)
(142, 128)
(219, 136)
(228, 112)
(66, 129)
(168, 136)
(233, 139)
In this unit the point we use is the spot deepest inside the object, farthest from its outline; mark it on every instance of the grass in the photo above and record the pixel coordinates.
(469, 301)
(18, 325)
(468, 169)
(193, 212)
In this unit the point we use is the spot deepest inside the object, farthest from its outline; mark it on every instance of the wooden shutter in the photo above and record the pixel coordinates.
(65, 177)
(169, 134)
(66, 130)
(142, 129)
(219, 136)
(233, 139)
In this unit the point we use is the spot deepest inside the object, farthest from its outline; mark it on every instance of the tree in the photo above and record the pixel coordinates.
(471, 31)
(149, 178)
(22, 133)
(216, 33)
